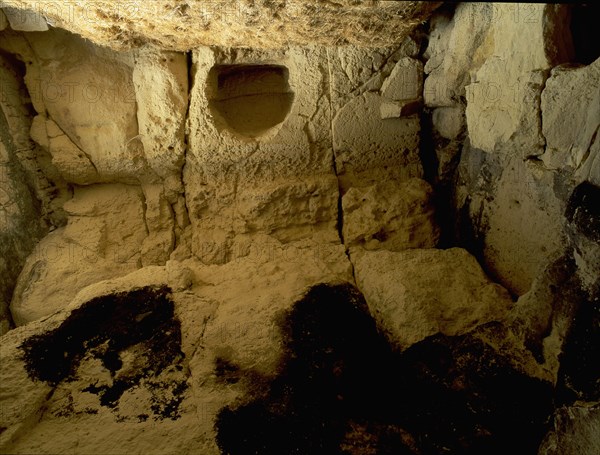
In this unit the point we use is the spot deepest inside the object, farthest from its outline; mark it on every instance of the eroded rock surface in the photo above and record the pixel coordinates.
(390, 215)
(418, 293)
(299, 246)
(263, 24)
(101, 240)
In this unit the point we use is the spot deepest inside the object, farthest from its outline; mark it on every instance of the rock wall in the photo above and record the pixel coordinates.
(512, 99)
(494, 73)
(213, 242)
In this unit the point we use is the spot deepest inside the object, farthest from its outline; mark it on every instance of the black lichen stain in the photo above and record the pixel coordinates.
(579, 373)
(442, 395)
(103, 328)
(583, 210)
(226, 372)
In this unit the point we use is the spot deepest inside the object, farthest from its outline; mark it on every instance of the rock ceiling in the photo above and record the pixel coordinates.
(183, 25)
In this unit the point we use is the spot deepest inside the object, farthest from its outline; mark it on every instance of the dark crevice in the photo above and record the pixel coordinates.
(443, 185)
(579, 373)
(545, 75)
(340, 212)
(470, 230)
(342, 389)
(585, 31)
(340, 207)
(340, 218)
(583, 210)
(427, 147)
(186, 139)
(18, 234)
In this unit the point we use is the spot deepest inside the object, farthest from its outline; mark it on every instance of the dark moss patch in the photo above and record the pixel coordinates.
(583, 210)
(103, 328)
(579, 374)
(167, 404)
(443, 395)
(470, 400)
(226, 371)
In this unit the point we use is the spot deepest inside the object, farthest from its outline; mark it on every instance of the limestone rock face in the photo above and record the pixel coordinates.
(273, 176)
(94, 102)
(522, 232)
(451, 52)
(20, 227)
(504, 93)
(392, 143)
(390, 215)
(101, 240)
(449, 121)
(483, 63)
(575, 430)
(402, 89)
(161, 92)
(375, 136)
(90, 120)
(67, 157)
(232, 23)
(414, 294)
(239, 216)
(24, 20)
(571, 119)
(154, 362)
(45, 181)
(23, 217)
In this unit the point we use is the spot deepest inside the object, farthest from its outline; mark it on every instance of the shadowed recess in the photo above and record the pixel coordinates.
(583, 210)
(249, 99)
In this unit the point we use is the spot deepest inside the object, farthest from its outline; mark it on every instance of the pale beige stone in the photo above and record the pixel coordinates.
(161, 92)
(405, 82)
(271, 178)
(397, 109)
(417, 293)
(451, 52)
(3, 20)
(233, 23)
(390, 215)
(102, 240)
(354, 71)
(89, 92)
(364, 142)
(25, 20)
(503, 96)
(571, 117)
(449, 122)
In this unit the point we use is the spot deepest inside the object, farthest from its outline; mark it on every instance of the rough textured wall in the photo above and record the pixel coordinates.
(182, 26)
(19, 230)
(390, 249)
(512, 93)
(496, 88)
